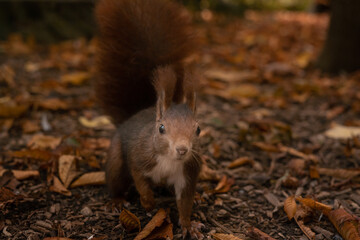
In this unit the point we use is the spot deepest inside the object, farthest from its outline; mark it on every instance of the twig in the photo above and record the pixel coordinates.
(219, 225)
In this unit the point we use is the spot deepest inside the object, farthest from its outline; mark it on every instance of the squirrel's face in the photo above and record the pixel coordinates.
(177, 133)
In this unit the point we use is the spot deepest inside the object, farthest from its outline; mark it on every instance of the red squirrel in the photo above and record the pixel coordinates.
(146, 87)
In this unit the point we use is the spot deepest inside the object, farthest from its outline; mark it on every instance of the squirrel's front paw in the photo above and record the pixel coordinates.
(148, 202)
(194, 230)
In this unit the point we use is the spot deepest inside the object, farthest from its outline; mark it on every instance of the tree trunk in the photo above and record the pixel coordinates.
(342, 47)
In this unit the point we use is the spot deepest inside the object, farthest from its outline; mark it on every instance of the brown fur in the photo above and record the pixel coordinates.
(136, 37)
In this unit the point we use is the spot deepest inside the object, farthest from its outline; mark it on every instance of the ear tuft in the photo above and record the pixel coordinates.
(164, 83)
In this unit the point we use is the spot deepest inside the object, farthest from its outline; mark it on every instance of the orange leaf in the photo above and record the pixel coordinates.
(12, 111)
(41, 141)
(129, 220)
(165, 231)
(59, 187)
(208, 174)
(346, 224)
(156, 221)
(24, 174)
(223, 236)
(266, 147)
(340, 173)
(224, 185)
(258, 234)
(314, 173)
(325, 209)
(91, 178)
(240, 161)
(290, 207)
(35, 154)
(53, 104)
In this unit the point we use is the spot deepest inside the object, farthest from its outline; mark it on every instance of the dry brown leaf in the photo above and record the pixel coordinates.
(156, 221)
(91, 178)
(30, 126)
(223, 236)
(43, 142)
(165, 231)
(129, 220)
(339, 173)
(305, 229)
(240, 161)
(230, 76)
(297, 166)
(243, 91)
(342, 132)
(53, 104)
(24, 174)
(346, 224)
(97, 122)
(12, 111)
(76, 78)
(290, 182)
(299, 154)
(266, 147)
(224, 185)
(208, 174)
(325, 209)
(7, 196)
(258, 234)
(33, 154)
(59, 187)
(67, 169)
(314, 173)
(290, 207)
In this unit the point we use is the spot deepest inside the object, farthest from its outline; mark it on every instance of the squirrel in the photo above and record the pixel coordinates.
(146, 87)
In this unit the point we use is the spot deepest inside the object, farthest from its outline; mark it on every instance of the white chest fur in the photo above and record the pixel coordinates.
(170, 170)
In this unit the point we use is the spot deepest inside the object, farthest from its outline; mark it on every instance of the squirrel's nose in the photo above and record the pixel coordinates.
(182, 150)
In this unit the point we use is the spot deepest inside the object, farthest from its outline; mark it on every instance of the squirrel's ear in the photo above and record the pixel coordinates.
(164, 83)
(190, 86)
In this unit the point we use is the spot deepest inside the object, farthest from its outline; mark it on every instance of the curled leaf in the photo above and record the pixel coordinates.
(346, 224)
(290, 207)
(325, 209)
(129, 220)
(156, 221)
(91, 178)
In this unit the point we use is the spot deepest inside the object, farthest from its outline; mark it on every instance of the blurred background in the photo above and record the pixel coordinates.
(49, 21)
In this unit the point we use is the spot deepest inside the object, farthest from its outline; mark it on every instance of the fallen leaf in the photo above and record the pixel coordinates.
(342, 132)
(305, 229)
(208, 174)
(67, 169)
(345, 223)
(156, 221)
(339, 173)
(325, 209)
(223, 236)
(297, 166)
(299, 154)
(240, 161)
(58, 187)
(53, 104)
(57, 238)
(314, 173)
(97, 122)
(7, 196)
(91, 178)
(224, 185)
(165, 231)
(30, 126)
(129, 220)
(12, 110)
(258, 234)
(290, 207)
(75, 78)
(32, 154)
(244, 91)
(230, 76)
(24, 174)
(266, 147)
(43, 142)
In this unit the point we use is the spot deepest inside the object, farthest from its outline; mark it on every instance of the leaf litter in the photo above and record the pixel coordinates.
(261, 99)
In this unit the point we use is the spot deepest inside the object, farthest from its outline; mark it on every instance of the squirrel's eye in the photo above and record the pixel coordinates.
(198, 130)
(162, 129)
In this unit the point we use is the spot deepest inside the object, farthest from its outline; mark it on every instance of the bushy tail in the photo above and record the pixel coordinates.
(135, 37)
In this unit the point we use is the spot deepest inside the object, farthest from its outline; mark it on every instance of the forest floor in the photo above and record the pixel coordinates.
(272, 127)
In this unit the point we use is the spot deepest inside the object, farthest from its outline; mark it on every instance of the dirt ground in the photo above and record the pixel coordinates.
(262, 100)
